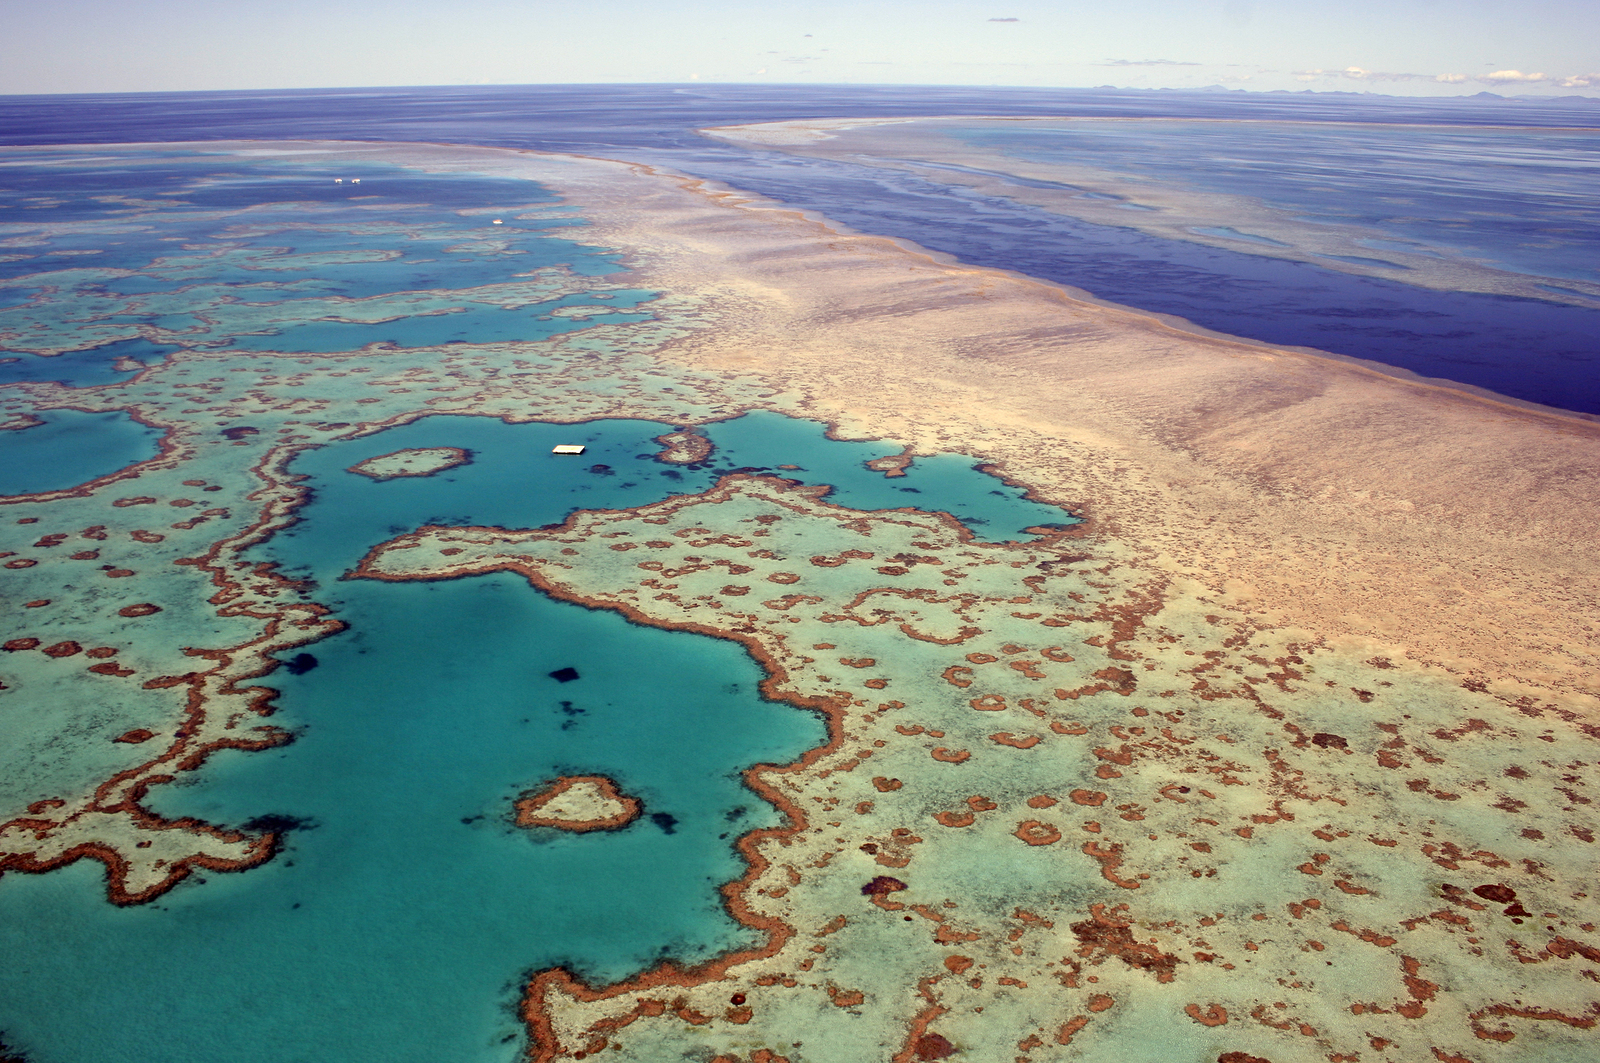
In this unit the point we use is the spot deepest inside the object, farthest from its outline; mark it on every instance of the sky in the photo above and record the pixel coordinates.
(1398, 47)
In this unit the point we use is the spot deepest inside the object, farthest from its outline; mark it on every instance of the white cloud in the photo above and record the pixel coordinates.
(1502, 77)
(1498, 77)
(1356, 73)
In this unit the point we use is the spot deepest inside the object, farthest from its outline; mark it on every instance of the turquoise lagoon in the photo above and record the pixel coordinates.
(85, 368)
(514, 482)
(406, 910)
(264, 231)
(72, 447)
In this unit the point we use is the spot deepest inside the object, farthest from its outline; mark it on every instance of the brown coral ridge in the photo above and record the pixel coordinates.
(1108, 933)
(535, 1008)
(18, 422)
(171, 449)
(394, 562)
(531, 808)
(545, 1046)
(124, 792)
(240, 592)
(892, 465)
(260, 851)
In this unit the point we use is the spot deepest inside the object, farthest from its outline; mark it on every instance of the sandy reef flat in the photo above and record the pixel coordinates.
(578, 803)
(415, 461)
(1283, 754)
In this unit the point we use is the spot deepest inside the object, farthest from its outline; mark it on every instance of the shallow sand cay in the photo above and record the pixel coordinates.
(416, 461)
(578, 803)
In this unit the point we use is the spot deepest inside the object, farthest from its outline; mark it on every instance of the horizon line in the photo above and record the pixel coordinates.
(1208, 90)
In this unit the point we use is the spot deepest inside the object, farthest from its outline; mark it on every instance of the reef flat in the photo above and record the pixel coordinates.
(1273, 505)
(1284, 752)
(1045, 766)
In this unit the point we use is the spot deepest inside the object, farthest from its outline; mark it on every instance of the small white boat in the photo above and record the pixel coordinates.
(569, 448)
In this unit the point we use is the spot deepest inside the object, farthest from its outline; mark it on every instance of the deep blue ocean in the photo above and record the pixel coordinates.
(1540, 351)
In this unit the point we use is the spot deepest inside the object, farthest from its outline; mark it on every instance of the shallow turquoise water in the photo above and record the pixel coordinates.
(397, 927)
(405, 912)
(513, 481)
(473, 323)
(949, 483)
(70, 448)
(247, 235)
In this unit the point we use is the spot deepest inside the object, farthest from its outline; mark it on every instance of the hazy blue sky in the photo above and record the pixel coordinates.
(1394, 46)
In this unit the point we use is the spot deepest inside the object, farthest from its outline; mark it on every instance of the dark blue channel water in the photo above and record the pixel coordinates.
(1541, 352)
(80, 369)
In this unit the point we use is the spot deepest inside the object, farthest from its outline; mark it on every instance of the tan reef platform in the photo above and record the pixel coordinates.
(1287, 752)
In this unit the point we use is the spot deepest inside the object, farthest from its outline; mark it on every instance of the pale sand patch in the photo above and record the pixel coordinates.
(578, 313)
(416, 461)
(578, 803)
(1309, 491)
(799, 131)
